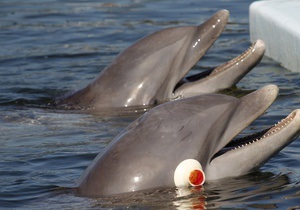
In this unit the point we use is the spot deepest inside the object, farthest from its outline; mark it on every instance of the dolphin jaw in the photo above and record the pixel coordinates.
(223, 76)
(255, 52)
(249, 153)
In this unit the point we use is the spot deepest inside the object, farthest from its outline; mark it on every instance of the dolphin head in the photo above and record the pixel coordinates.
(146, 154)
(152, 70)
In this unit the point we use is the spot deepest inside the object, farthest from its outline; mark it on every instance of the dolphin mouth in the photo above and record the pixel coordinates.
(223, 76)
(228, 65)
(249, 153)
(269, 133)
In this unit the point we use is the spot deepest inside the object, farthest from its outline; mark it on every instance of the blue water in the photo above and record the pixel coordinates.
(51, 47)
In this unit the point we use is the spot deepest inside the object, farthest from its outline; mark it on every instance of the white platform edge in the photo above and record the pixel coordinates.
(277, 23)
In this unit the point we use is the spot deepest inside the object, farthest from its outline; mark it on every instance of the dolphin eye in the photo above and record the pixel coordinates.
(189, 172)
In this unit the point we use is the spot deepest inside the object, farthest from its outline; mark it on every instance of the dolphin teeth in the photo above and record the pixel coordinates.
(272, 130)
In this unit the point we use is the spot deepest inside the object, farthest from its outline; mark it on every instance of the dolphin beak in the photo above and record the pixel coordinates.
(223, 76)
(249, 153)
(250, 107)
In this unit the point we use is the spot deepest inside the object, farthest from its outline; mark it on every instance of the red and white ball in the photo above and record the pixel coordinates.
(189, 173)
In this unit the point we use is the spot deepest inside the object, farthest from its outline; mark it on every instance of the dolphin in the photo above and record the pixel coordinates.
(152, 71)
(203, 128)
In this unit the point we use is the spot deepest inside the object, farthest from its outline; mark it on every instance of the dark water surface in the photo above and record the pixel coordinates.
(51, 47)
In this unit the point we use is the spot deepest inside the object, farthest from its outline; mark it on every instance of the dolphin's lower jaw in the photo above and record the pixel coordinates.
(247, 154)
(223, 76)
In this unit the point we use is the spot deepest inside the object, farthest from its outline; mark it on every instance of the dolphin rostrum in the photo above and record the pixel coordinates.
(202, 128)
(152, 70)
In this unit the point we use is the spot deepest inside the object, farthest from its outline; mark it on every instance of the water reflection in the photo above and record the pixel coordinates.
(256, 190)
(51, 47)
(253, 189)
(161, 198)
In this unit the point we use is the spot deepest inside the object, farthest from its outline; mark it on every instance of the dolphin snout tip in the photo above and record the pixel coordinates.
(259, 45)
(217, 21)
(260, 42)
(216, 24)
(271, 87)
(296, 113)
(223, 14)
(271, 90)
(266, 95)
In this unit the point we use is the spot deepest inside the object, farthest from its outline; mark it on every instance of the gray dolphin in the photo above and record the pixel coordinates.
(152, 70)
(146, 154)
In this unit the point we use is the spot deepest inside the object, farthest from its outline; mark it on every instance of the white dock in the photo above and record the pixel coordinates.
(277, 23)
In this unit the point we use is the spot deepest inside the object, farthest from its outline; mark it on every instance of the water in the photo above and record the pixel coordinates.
(51, 47)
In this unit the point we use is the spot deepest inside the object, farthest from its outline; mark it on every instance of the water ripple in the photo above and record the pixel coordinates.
(51, 47)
